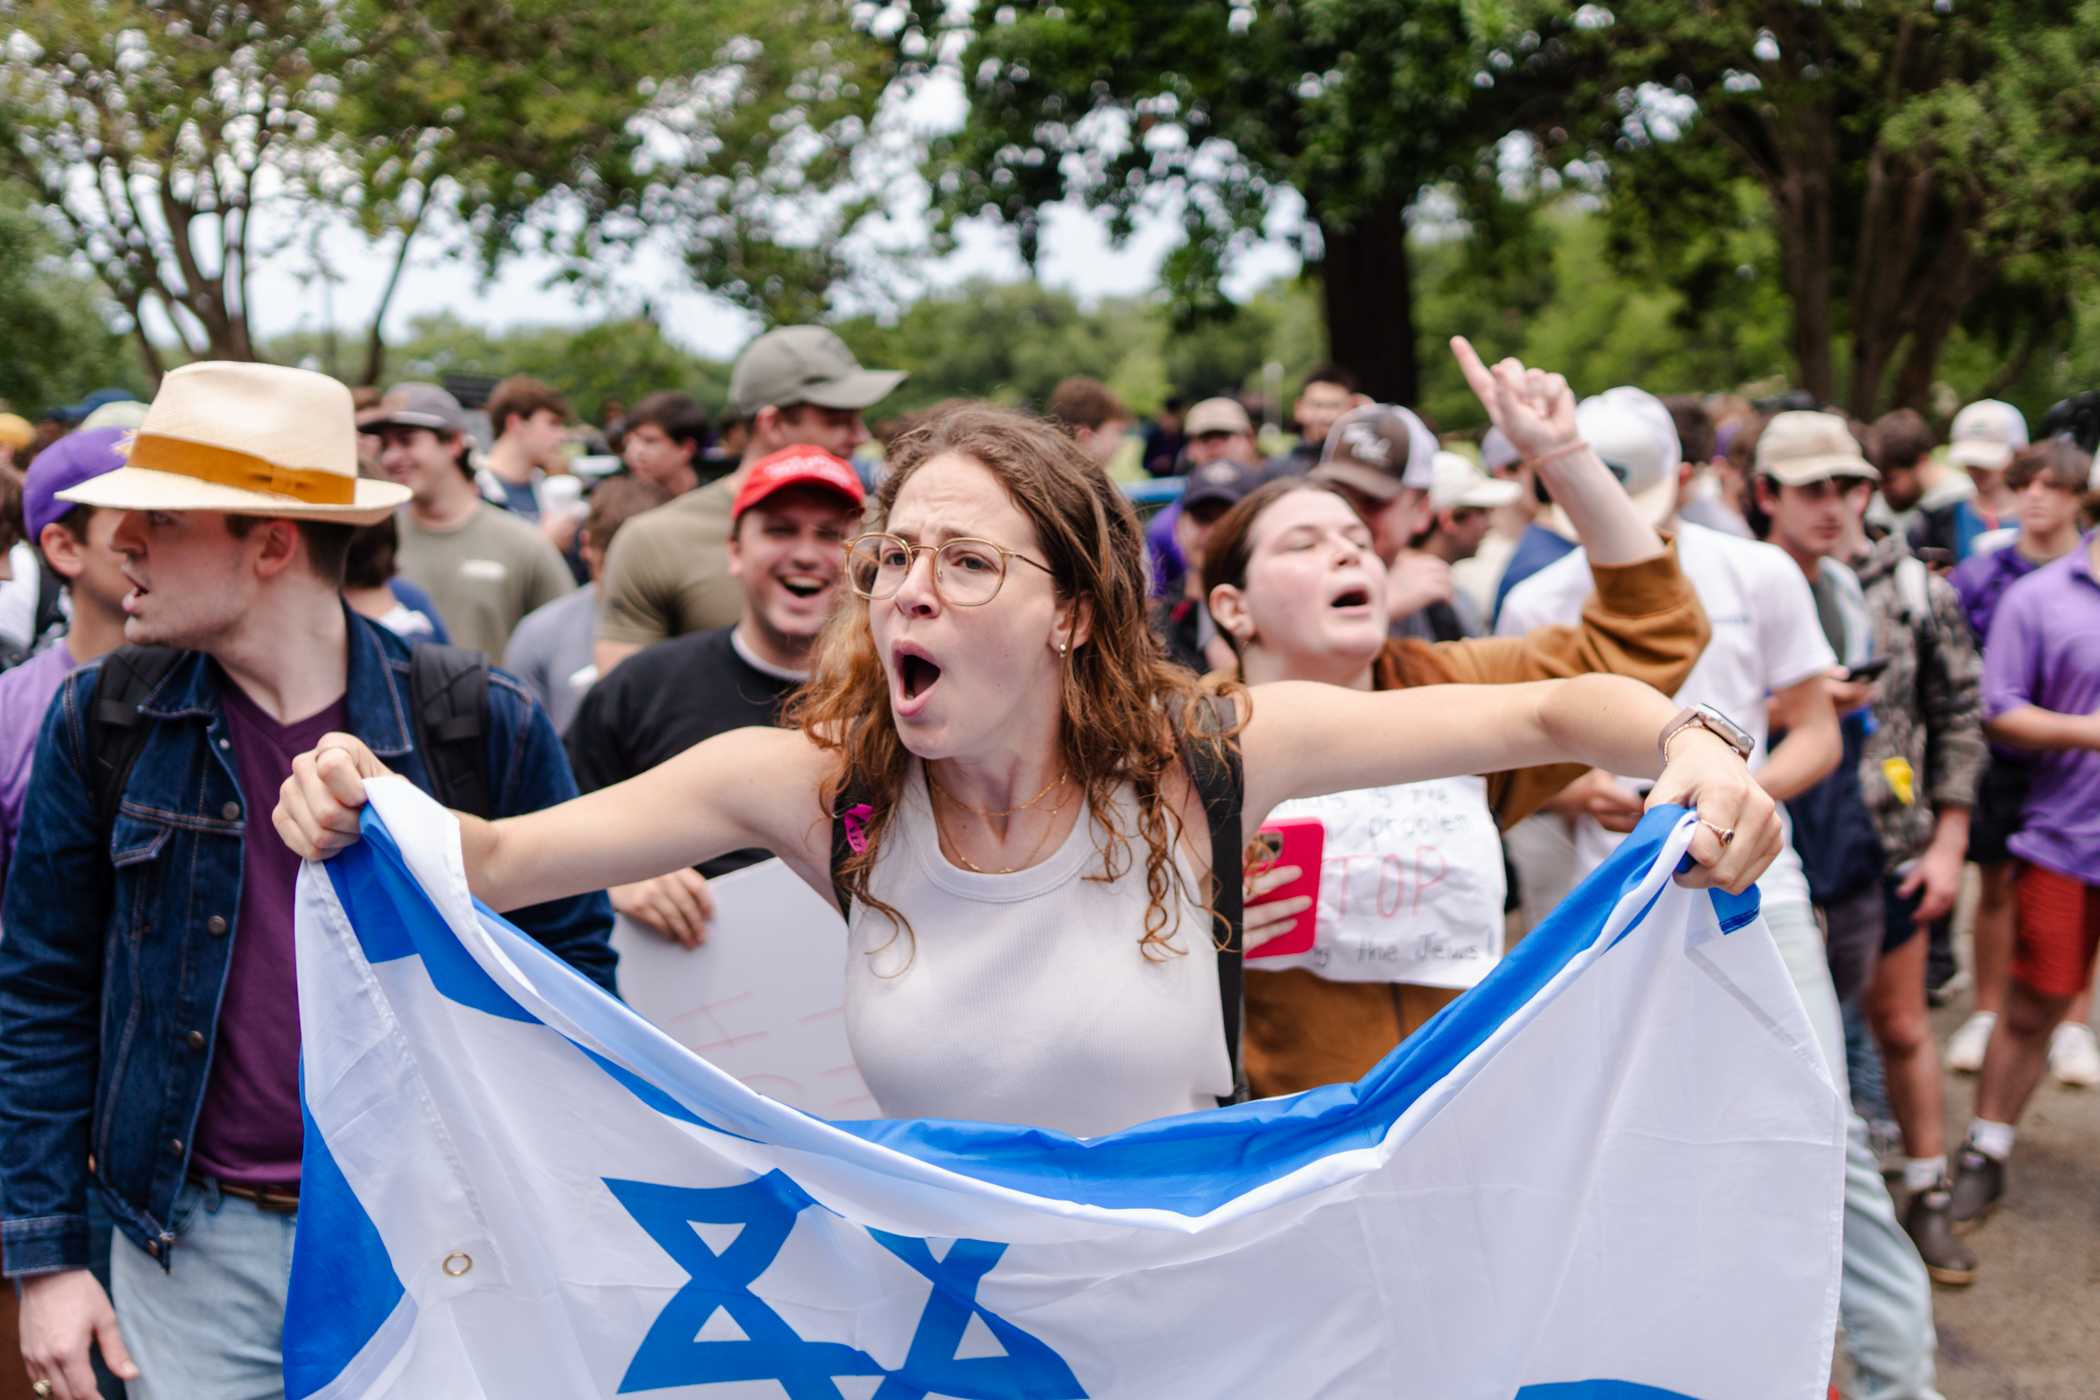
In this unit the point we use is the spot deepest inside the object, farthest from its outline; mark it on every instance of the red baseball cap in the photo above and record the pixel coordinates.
(796, 466)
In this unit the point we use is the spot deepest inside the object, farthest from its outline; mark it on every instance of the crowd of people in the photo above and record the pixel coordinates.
(1351, 711)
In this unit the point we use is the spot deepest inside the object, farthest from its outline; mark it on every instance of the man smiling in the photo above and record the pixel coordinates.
(789, 526)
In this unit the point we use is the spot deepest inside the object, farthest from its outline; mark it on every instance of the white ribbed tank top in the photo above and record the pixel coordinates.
(1025, 998)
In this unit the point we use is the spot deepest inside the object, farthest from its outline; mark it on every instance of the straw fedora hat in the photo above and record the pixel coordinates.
(247, 440)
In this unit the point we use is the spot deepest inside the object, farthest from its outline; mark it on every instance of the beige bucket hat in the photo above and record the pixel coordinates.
(247, 440)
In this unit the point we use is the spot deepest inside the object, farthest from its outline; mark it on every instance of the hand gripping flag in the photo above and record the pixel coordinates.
(1612, 1170)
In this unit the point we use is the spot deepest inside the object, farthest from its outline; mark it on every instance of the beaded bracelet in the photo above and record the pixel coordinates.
(1558, 451)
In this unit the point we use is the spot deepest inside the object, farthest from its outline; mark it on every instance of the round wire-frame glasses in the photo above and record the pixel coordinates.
(967, 573)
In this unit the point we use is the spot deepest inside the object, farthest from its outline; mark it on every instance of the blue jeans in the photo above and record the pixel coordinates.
(215, 1325)
(1884, 1296)
(1870, 1090)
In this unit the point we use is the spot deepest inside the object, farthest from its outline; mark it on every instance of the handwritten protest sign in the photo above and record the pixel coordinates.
(1411, 885)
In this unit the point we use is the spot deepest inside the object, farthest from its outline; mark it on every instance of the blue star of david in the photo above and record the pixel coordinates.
(1028, 1369)
(670, 1354)
(767, 1208)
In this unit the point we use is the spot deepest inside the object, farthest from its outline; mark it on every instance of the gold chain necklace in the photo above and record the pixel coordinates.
(1050, 824)
(1052, 786)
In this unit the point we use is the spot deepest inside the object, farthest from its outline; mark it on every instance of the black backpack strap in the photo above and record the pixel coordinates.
(116, 729)
(50, 609)
(449, 689)
(1221, 783)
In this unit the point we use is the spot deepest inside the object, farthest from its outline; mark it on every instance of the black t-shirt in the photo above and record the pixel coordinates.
(663, 700)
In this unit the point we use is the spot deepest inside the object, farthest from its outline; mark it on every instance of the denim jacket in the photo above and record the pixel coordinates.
(118, 945)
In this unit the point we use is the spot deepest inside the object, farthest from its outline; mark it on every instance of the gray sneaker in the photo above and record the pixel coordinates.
(1979, 1180)
(1928, 1221)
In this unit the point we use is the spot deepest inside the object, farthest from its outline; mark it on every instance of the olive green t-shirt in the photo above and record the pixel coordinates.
(483, 575)
(667, 572)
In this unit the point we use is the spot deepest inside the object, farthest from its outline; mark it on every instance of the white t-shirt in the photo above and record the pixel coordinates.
(18, 595)
(1765, 639)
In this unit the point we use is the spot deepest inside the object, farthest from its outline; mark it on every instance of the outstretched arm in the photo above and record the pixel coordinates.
(1304, 739)
(749, 787)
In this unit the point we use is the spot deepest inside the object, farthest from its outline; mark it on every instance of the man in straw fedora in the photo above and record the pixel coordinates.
(149, 1031)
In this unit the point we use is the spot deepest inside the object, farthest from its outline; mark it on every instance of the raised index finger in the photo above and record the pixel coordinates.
(1477, 377)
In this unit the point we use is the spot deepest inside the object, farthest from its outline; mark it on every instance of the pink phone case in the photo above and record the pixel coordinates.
(1299, 841)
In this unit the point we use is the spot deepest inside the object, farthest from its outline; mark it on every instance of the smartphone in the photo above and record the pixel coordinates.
(1867, 670)
(1299, 841)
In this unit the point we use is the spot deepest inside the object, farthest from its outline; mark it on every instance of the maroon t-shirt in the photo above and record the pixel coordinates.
(248, 1131)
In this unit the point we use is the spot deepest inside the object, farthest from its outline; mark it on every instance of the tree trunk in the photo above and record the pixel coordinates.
(1801, 200)
(375, 341)
(1367, 295)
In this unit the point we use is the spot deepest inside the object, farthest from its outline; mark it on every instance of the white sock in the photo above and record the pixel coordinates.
(1923, 1173)
(1991, 1139)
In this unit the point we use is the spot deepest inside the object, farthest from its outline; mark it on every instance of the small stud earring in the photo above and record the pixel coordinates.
(1061, 647)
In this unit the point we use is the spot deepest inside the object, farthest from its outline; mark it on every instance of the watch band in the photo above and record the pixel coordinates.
(1713, 722)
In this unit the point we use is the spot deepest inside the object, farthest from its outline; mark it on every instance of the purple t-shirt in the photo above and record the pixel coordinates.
(26, 693)
(1981, 580)
(248, 1131)
(2044, 650)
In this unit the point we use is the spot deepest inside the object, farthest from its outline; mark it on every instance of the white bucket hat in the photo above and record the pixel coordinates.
(247, 440)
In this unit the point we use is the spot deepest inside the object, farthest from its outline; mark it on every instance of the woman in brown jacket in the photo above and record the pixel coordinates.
(1411, 882)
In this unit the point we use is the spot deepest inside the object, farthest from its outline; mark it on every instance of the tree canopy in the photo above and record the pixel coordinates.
(1924, 169)
(1221, 110)
(160, 137)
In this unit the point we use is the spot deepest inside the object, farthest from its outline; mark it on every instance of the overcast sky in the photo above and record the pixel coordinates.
(1077, 257)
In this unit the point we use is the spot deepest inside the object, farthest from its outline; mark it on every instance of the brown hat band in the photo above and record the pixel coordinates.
(225, 466)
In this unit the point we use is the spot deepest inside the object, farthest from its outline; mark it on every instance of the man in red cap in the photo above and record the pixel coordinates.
(788, 530)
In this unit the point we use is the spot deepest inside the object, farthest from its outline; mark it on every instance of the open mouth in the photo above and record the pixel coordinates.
(804, 585)
(1351, 598)
(916, 674)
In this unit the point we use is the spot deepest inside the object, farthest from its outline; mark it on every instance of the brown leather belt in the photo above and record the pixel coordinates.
(261, 1197)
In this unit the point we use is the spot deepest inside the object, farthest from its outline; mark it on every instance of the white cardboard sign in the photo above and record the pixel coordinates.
(763, 998)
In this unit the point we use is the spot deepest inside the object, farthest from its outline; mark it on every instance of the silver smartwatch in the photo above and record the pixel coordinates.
(1713, 722)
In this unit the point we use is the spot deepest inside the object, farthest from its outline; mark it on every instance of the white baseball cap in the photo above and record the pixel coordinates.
(1633, 434)
(1985, 435)
(1459, 485)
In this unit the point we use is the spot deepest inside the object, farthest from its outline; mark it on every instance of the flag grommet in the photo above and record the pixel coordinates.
(457, 1263)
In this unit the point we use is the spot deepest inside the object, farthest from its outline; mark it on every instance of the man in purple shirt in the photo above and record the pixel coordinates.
(2041, 692)
(75, 544)
(2047, 480)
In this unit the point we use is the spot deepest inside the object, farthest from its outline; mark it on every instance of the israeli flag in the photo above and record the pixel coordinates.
(1613, 1169)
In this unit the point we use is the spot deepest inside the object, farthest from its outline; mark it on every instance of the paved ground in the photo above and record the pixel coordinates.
(2029, 1327)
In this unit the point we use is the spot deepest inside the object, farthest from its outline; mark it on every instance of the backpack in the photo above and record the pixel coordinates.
(448, 691)
(1221, 783)
(1914, 596)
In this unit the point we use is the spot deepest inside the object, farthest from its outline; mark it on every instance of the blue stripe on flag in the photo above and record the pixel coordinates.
(332, 1311)
(1190, 1164)
(1599, 1390)
(396, 919)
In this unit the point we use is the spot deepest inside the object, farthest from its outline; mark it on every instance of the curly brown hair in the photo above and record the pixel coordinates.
(1126, 707)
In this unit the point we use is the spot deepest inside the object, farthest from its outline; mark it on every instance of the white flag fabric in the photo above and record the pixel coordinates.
(1612, 1170)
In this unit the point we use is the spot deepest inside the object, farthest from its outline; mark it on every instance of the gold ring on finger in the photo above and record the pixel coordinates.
(1723, 834)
